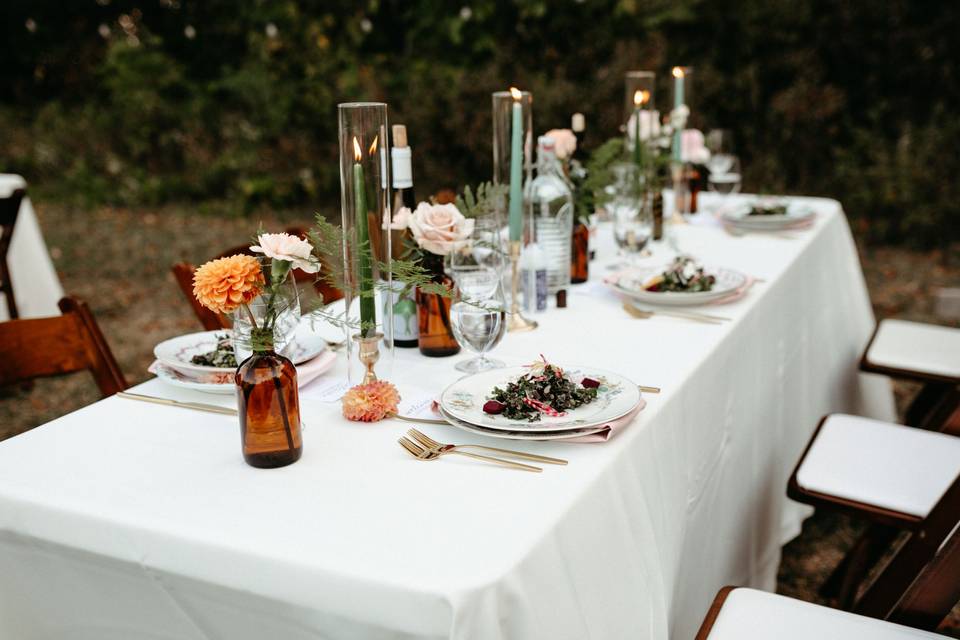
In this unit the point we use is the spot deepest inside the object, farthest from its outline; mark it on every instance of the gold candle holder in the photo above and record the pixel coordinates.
(517, 321)
(368, 354)
(681, 193)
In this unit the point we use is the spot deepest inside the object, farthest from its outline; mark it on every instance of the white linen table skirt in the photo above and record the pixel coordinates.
(130, 521)
(36, 286)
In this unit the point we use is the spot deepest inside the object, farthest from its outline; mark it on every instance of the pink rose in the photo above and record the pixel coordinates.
(440, 228)
(692, 147)
(564, 142)
(288, 248)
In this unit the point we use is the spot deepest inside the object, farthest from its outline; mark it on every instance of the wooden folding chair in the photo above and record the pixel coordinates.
(40, 347)
(9, 209)
(183, 274)
(748, 614)
(925, 353)
(890, 474)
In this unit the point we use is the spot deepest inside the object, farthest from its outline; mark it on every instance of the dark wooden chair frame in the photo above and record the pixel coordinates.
(183, 274)
(9, 210)
(842, 585)
(41, 347)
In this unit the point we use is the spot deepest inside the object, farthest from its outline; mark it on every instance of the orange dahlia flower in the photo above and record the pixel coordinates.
(370, 402)
(223, 285)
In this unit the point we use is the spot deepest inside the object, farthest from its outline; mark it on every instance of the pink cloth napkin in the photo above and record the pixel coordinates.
(306, 372)
(607, 432)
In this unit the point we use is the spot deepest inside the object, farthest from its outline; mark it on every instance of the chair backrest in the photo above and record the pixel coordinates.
(40, 347)
(9, 210)
(183, 274)
(921, 583)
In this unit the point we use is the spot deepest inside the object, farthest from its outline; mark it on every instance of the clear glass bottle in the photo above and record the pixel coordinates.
(550, 203)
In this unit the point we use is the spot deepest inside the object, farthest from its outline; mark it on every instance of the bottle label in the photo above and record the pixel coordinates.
(541, 289)
(402, 168)
(403, 308)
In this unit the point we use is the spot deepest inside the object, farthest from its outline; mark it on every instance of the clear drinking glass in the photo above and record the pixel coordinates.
(631, 211)
(727, 180)
(478, 315)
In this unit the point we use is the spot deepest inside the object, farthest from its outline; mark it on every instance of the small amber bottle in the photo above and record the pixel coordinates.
(269, 406)
(433, 313)
(580, 253)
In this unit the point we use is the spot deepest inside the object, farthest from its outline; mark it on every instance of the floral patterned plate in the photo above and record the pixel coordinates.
(463, 400)
(521, 435)
(176, 353)
(630, 283)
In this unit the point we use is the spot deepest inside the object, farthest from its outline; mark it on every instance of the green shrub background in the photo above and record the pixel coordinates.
(110, 101)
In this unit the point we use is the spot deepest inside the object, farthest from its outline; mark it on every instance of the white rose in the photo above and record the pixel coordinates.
(440, 228)
(649, 126)
(564, 142)
(692, 147)
(678, 117)
(283, 246)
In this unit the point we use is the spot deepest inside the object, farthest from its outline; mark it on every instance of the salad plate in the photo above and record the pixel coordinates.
(639, 284)
(767, 213)
(521, 435)
(187, 354)
(613, 397)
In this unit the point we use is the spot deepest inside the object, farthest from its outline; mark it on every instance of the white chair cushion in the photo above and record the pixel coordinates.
(748, 614)
(10, 182)
(914, 346)
(881, 464)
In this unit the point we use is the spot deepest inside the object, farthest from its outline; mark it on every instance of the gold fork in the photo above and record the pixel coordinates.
(439, 447)
(420, 452)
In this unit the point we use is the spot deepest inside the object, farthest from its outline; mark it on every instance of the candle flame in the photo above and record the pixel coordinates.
(516, 93)
(373, 145)
(678, 72)
(357, 154)
(641, 97)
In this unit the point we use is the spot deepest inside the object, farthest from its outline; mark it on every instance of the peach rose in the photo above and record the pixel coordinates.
(223, 285)
(440, 228)
(564, 142)
(288, 248)
(401, 220)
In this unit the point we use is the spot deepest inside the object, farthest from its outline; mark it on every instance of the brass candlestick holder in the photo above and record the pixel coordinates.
(517, 321)
(369, 354)
(681, 193)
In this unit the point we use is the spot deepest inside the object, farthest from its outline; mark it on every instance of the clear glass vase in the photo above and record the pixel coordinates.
(279, 310)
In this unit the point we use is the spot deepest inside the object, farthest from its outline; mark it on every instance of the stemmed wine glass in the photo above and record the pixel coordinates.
(724, 166)
(630, 210)
(478, 314)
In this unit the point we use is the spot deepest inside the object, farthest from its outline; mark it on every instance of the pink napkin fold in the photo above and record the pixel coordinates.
(736, 295)
(306, 372)
(608, 431)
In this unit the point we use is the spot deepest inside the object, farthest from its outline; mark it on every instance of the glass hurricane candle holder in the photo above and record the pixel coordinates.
(512, 140)
(365, 209)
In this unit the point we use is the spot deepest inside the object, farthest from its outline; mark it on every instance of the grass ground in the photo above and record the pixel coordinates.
(118, 260)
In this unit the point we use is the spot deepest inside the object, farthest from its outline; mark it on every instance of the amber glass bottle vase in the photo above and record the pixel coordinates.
(433, 312)
(269, 406)
(580, 253)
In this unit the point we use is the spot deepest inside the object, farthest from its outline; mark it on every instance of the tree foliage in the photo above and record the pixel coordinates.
(145, 101)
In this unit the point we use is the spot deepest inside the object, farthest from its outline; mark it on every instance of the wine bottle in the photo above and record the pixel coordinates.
(404, 305)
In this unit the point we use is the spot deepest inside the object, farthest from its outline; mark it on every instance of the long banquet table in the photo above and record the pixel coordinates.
(128, 520)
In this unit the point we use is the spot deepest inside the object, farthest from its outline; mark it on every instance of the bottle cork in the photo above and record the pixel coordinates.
(578, 123)
(399, 135)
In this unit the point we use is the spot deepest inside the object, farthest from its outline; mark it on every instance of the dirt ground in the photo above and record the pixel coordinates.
(118, 260)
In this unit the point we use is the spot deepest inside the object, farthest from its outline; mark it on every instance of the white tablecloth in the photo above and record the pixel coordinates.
(127, 520)
(36, 287)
